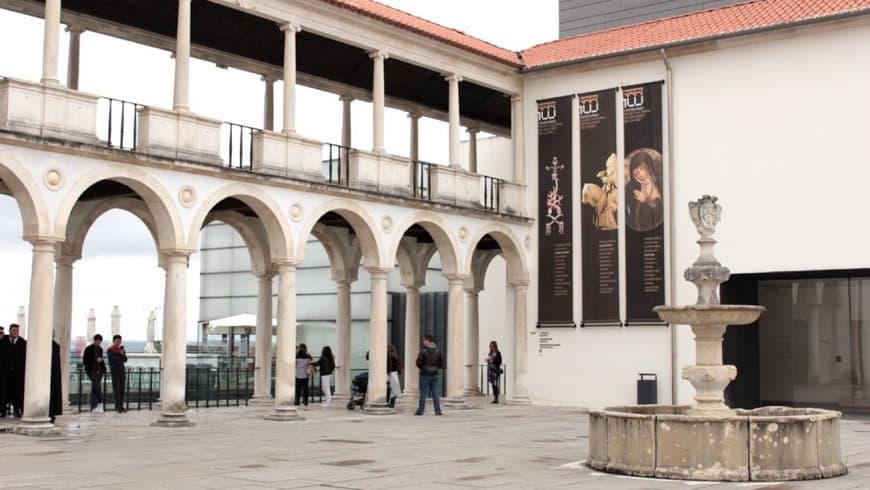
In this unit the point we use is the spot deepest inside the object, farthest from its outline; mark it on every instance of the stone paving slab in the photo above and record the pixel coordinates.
(233, 447)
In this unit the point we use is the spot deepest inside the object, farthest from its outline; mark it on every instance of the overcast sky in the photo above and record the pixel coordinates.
(115, 68)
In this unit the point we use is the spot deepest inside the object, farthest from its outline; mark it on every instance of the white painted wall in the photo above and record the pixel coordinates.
(774, 125)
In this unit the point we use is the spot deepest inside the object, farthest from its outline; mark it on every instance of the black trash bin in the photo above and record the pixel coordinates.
(647, 389)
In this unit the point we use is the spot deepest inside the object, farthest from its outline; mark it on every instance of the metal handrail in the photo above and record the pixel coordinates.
(423, 180)
(492, 192)
(237, 156)
(119, 112)
(337, 166)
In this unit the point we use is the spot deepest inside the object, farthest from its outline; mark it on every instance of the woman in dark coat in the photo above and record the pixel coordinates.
(493, 364)
(55, 401)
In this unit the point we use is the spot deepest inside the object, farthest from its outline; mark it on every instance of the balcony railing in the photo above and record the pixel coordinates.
(491, 192)
(240, 147)
(119, 127)
(423, 180)
(336, 166)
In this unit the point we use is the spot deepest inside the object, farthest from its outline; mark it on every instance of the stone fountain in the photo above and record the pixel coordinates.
(708, 440)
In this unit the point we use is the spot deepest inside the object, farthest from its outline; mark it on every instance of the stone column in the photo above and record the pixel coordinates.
(517, 138)
(51, 38)
(342, 339)
(376, 395)
(263, 356)
(378, 58)
(455, 342)
(472, 343)
(520, 385)
(37, 379)
(414, 151)
(182, 58)
(472, 149)
(172, 389)
(346, 119)
(269, 103)
(290, 31)
(285, 363)
(75, 47)
(63, 282)
(412, 342)
(453, 118)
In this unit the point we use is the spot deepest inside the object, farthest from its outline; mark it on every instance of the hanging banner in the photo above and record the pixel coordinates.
(644, 202)
(555, 280)
(600, 208)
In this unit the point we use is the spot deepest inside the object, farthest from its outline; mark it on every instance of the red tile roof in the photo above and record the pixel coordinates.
(429, 29)
(720, 22)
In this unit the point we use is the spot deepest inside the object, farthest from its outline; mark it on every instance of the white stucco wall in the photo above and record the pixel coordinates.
(772, 124)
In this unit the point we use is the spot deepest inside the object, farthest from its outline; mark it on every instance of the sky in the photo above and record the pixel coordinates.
(111, 67)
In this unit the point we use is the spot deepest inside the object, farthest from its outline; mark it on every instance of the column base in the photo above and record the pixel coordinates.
(260, 401)
(472, 392)
(519, 400)
(172, 419)
(36, 427)
(378, 408)
(284, 413)
(455, 403)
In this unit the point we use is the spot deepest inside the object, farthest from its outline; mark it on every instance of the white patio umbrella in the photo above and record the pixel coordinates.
(149, 346)
(116, 321)
(22, 322)
(92, 324)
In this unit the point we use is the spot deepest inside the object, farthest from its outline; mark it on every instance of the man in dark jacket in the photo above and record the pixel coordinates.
(117, 357)
(430, 362)
(17, 360)
(95, 368)
(4, 372)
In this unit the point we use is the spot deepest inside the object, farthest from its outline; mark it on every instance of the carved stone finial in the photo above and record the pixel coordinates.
(705, 213)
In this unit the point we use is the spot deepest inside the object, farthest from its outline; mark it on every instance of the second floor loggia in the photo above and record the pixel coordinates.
(354, 73)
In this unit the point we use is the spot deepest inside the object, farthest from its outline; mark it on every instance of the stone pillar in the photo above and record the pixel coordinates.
(285, 363)
(412, 342)
(75, 48)
(472, 343)
(346, 119)
(472, 149)
(182, 58)
(520, 385)
(342, 339)
(290, 31)
(517, 138)
(378, 58)
(269, 103)
(376, 395)
(455, 342)
(37, 379)
(414, 152)
(814, 368)
(453, 118)
(51, 39)
(263, 356)
(172, 388)
(63, 282)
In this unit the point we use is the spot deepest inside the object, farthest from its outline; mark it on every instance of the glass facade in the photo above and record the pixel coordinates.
(814, 342)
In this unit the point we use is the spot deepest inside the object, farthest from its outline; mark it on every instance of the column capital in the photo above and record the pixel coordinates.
(378, 54)
(286, 265)
(413, 286)
(346, 282)
(519, 283)
(290, 27)
(74, 29)
(266, 275)
(473, 291)
(346, 98)
(65, 260)
(43, 241)
(453, 77)
(414, 114)
(472, 130)
(379, 272)
(269, 77)
(454, 279)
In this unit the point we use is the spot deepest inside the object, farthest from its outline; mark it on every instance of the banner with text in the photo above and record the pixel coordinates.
(644, 202)
(600, 208)
(555, 269)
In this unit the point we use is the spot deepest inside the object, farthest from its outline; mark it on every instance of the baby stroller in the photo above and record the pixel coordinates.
(358, 388)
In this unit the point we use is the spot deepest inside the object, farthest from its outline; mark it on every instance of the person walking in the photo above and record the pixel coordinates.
(17, 361)
(430, 362)
(55, 400)
(393, 365)
(5, 354)
(493, 369)
(326, 364)
(304, 369)
(117, 355)
(95, 368)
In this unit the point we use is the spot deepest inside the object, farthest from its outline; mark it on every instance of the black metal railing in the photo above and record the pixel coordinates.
(492, 192)
(336, 166)
(502, 380)
(122, 123)
(240, 153)
(142, 389)
(423, 180)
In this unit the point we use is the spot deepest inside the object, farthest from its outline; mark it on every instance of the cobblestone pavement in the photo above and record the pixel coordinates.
(493, 446)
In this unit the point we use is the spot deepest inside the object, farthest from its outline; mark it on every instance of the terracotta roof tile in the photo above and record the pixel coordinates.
(745, 17)
(429, 29)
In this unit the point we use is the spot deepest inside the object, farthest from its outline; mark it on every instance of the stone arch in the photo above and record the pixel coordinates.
(27, 194)
(167, 222)
(278, 234)
(480, 261)
(343, 250)
(363, 226)
(440, 232)
(511, 250)
(412, 260)
(254, 237)
(83, 217)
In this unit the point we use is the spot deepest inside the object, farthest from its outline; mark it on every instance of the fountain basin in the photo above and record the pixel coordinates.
(764, 444)
(709, 314)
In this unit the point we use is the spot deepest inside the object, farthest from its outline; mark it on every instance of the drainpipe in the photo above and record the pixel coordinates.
(671, 255)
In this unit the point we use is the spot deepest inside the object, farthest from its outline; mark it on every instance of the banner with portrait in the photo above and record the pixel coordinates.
(644, 202)
(599, 208)
(555, 269)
